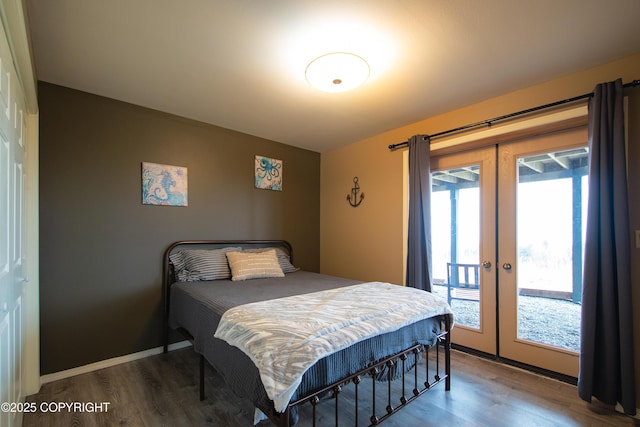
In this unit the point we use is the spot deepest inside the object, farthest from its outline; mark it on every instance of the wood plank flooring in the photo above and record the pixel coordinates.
(163, 391)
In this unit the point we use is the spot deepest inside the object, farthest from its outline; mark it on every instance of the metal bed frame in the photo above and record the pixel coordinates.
(436, 370)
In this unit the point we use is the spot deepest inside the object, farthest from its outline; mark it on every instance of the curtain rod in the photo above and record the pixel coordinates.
(489, 122)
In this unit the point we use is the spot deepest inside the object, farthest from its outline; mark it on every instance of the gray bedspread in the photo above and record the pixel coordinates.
(198, 307)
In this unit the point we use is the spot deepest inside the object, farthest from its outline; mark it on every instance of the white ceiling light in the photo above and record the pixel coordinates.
(337, 72)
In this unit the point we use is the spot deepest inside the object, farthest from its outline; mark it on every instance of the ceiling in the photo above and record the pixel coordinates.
(240, 64)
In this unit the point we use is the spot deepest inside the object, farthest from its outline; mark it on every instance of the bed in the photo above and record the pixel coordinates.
(213, 287)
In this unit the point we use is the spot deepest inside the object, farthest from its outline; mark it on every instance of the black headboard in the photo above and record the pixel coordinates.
(168, 276)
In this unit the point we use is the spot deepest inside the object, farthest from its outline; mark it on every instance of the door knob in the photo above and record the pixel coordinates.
(506, 266)
(486, 264)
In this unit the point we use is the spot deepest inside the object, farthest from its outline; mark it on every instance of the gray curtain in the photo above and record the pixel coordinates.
(419, 238)
(606, 357)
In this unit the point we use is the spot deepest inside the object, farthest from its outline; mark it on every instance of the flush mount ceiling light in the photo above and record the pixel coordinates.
(337, 72)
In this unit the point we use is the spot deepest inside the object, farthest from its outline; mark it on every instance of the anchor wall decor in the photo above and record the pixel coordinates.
(353, 197)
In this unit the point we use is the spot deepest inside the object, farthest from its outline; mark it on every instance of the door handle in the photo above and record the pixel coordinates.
(506, 266)
(486, 264)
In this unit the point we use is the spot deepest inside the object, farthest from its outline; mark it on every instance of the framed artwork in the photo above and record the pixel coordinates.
(268, 173)
(164, 185)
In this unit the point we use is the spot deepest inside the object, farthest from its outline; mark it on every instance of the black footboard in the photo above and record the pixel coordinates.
(414, 381)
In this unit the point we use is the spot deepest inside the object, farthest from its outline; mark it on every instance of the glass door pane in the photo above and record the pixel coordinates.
(551, 216)
(455, 217)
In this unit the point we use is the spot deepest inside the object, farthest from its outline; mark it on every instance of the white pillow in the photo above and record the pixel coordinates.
(254, 265)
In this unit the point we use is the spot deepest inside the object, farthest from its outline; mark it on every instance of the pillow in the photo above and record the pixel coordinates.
(254, 265)
(192, 265)
(283, 258)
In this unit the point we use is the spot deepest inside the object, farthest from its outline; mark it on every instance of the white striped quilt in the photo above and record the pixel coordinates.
(286, 336)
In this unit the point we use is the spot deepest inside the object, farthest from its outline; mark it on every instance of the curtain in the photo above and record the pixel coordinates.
(606, 358)
(419, 238)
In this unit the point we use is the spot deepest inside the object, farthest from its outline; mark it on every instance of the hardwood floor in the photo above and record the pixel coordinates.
(163, 391)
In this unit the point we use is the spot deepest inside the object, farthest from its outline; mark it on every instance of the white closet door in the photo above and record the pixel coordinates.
(12, 235)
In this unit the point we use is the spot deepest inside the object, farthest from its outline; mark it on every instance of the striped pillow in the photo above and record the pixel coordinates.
(283, 259)
(254, 265)
(192, 265)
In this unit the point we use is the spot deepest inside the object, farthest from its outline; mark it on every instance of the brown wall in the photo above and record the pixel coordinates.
(101, 249)
(368, 242)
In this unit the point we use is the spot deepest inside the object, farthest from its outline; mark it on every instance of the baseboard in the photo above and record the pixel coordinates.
(109, 362)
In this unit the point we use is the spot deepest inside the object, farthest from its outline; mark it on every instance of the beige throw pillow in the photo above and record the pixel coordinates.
(257, 265)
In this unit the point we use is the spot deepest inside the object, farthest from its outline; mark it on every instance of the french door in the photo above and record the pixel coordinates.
(463, 228)
(508, 224)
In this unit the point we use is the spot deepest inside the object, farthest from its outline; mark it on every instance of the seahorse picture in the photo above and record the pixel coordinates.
(164, 185)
